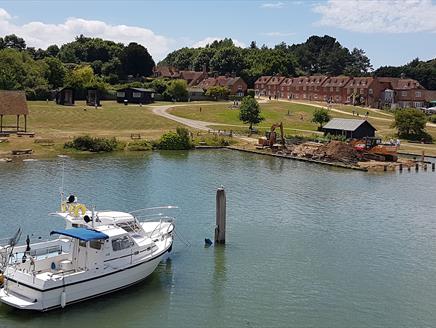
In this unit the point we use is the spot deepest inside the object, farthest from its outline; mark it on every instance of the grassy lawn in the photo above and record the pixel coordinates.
(299, 117)
(60, 123)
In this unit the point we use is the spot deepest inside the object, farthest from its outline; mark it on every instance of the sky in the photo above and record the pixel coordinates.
(391, 32)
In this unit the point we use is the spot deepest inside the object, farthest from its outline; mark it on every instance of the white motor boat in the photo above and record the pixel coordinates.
(98, 253)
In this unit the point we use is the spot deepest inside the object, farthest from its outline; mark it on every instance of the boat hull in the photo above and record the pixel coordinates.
(28, 297)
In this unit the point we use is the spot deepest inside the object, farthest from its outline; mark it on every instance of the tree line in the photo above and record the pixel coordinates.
(94, 62)
(318, 55)
(85, 62)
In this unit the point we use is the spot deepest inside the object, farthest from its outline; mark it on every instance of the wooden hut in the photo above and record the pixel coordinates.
(13, 103)
(135, 95)
(93, 97)
(350, 128)
(65, 96)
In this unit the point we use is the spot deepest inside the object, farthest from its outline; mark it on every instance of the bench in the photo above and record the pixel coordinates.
(21, 151)
(4, 140)
(29, 134)
(135, 136)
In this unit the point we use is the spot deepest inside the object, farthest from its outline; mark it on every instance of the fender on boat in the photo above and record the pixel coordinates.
(63, 299)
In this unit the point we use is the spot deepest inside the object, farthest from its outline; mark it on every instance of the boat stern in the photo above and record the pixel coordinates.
(19, 301)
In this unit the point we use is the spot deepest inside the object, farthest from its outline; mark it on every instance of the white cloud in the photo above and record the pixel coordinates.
(41, 35)
(210, 39)
(379, 16)
(278, 34)
(272, 5)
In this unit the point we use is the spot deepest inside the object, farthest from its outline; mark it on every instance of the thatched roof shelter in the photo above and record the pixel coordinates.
(13, 103)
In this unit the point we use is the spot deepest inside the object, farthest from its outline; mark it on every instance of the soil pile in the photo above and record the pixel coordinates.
(339, 151)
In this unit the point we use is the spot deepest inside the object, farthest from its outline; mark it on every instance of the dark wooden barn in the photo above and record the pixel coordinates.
(13, 103)
(135, 95)
(65, 96)
(93, 97)
(350, 128)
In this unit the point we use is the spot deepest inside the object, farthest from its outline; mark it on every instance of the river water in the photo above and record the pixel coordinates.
(308, 245)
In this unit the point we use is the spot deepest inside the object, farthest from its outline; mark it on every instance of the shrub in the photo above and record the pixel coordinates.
(432, 119)
(141, 145)
(87, 143)
(251, 93)
(178, 140)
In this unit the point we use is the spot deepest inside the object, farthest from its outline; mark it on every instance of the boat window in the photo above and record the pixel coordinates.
(82, 243)
(96, 244)
(131, 226)
(121, 243)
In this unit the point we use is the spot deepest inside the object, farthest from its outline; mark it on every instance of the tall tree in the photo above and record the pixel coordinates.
(135, 60)
(14, 42)
(55, 73)
(249, 112)
(358, 63)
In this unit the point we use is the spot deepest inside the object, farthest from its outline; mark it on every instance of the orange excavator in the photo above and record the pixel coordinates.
(271, 136)
(371, 148)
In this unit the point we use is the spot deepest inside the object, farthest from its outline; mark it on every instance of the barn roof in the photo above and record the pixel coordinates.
(13, 103)
(345, 124)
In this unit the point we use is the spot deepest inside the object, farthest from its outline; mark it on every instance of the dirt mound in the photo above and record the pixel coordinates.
(339, 151)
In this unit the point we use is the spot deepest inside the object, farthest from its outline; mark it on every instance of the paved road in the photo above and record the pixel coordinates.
(199, 125)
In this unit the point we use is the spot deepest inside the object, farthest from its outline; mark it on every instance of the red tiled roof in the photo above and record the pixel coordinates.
(263, 79)
(287, 81)
(360, 82)
(276, 80)
(336, 81)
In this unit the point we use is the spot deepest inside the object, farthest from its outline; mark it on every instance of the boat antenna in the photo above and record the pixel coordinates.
(61, 189)
(93, 216)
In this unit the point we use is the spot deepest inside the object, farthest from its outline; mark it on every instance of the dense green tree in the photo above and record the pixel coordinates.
(55, 73)
(218, 92)
(410, 123)
(14, 42)
(203, 59)
(184, 58)
(136, 61)
(358, 63)
(52, 50)
(177, 90)
(228, 60)
(249, 112)
(81, 77)
(321, 116)
(18, 71)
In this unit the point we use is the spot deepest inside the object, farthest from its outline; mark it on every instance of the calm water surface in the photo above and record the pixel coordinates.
(308, 246)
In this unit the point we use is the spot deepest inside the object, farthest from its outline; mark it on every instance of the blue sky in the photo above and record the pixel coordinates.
(391, 32)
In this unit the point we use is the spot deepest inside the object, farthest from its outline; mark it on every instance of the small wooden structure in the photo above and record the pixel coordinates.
(13, 103)
(65, 96)
(93, 97)
(135, 95)
(350, 128)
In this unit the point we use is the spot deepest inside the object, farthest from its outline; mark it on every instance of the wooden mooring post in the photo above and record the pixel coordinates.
(416, 167)
(432, 166)
(220, 229)
(401, 167)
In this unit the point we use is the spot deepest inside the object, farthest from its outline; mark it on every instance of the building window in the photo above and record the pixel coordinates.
(404, 93)
(362, 91)
(304, 88)
(136, 95)
(121, 94)
(331, 89)
(370, 91)
(418, 94)
(417, 104)
(337, 89)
